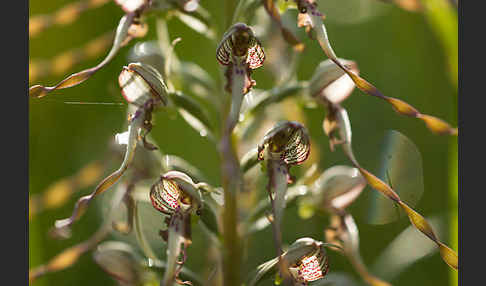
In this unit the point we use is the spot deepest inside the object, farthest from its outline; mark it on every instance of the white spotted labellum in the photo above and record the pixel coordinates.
(311, 267)
(176, 195)
(306, 260)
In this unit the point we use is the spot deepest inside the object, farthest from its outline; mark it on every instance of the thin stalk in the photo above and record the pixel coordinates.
(277, 188)
(174, 248)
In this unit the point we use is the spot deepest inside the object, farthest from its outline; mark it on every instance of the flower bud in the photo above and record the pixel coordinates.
(119, 261)
(287, 141)
(130, 6)
(330, 82)
(175, 192)
(141, 83)
(337, 187)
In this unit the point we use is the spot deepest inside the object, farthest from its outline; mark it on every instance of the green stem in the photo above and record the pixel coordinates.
(231, 179)
(147, 250)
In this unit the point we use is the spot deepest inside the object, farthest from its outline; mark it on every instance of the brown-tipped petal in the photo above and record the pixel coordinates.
(314, 19)
(379, 185)
(418, 221)
(435, 124)
(438, 125)
(449, 256)
(83, 202)
(402, 107)
(38, 91)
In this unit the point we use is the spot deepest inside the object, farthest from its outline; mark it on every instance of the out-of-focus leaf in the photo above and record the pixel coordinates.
(273, 12)
(65, 61)
(119, 261)
(148, 52)
(256, 101)
(196, 24)
(249, 160)
(70, 255)
(401, 253)
(192, 107)
(125, 227)
(61, 191)
(401, 167)
(209, 219)
(258, 219)
(64, 16)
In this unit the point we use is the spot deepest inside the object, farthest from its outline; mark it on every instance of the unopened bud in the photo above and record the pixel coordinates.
(174, 192)
(330, 82)
(141, 83)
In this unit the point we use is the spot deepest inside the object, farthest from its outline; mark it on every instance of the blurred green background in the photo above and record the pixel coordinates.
(400, 52)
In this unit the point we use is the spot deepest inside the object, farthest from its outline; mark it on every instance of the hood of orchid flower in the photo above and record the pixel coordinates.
(287, 141)
(175, 192)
